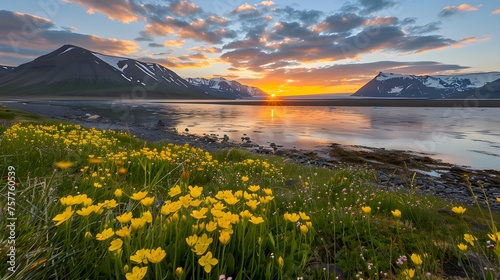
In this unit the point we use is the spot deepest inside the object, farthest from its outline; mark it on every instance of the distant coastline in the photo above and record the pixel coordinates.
(290, 101)
(386, 102)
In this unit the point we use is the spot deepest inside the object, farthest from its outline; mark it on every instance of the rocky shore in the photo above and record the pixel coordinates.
(392, 169)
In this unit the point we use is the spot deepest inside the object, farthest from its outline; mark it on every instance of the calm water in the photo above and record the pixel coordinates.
(464, 136)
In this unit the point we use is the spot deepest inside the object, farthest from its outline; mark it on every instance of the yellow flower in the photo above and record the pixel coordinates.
(281, 262)
(458, 210)
(409, 273)
(304, 217)
(498, 199)
(116, 245)
(304, 229)
(268, 191)
(174, 191)
(170, 207)
(138, 195)
(231, 200)
(294, 217)
(105, 234)
(124, 232)
(470, 238)
(199, 214)
(95, 160)
(494, 236)
(179, 271)
(200, 248)
(246, 214)
(191, 240)
(396, 214)
(462, 246)
(366, 209)
(211, 226)
(207, 262)
(254, 188)
(85, 211)
(256, 220)
(156, 255)
(118, 193)
(88, 234)
(137, 273)
(122, 170)
(416, 259)
(244, 178)
(64, 164)
(147, 216)
(124, 218)
(224, 237)
(140, 256)
(64, 216)
(252, 204)
(195, 191)
(147, 201)
(137, 223)
(185, 200)
(108, 204)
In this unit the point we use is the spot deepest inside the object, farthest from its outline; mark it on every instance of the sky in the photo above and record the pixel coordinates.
(283, 47)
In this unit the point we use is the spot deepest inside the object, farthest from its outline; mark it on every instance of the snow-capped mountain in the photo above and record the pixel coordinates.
(75, 71)
(220, 87)
(440, 86)
(5, 70)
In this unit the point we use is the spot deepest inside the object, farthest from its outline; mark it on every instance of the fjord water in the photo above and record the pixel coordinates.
(468, 136)
(463, 136)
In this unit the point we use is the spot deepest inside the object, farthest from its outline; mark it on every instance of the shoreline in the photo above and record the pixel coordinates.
(393, 169)
(291, 101)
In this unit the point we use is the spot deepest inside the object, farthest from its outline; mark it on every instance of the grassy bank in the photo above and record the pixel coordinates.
(88, 204)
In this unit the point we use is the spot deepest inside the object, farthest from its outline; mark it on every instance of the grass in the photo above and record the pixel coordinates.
(93, 204)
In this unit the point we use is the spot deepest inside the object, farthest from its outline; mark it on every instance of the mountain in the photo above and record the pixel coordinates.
(441, 86)
(5, 70)
(489, 90)
(75, 71)
(222, 88)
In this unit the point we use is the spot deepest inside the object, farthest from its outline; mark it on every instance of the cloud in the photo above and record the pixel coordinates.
(206, 50)
(192, 60)
(27, 36)
(428, 28)
(388, 20)
(173, 43)
(122, 10)
(267, 3)
(449, 11)
(495, 12)
(305, 16)
(244, 7)
(339, 23)
(372, 6)
(182, 8)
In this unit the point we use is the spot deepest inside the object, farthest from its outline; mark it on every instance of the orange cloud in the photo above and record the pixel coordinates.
(159, 29)
(173, 43)
(382, 21)
(267, 3)
(184, 8)
(495, 12)
(245, 7)
(123, 11)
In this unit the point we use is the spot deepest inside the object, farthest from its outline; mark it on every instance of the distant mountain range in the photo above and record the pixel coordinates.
(481, 85)
(220, 87)
(72, 71)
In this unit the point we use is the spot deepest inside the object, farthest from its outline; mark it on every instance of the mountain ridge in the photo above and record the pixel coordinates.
(425, 86)
(72, 71)
(222, 87)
